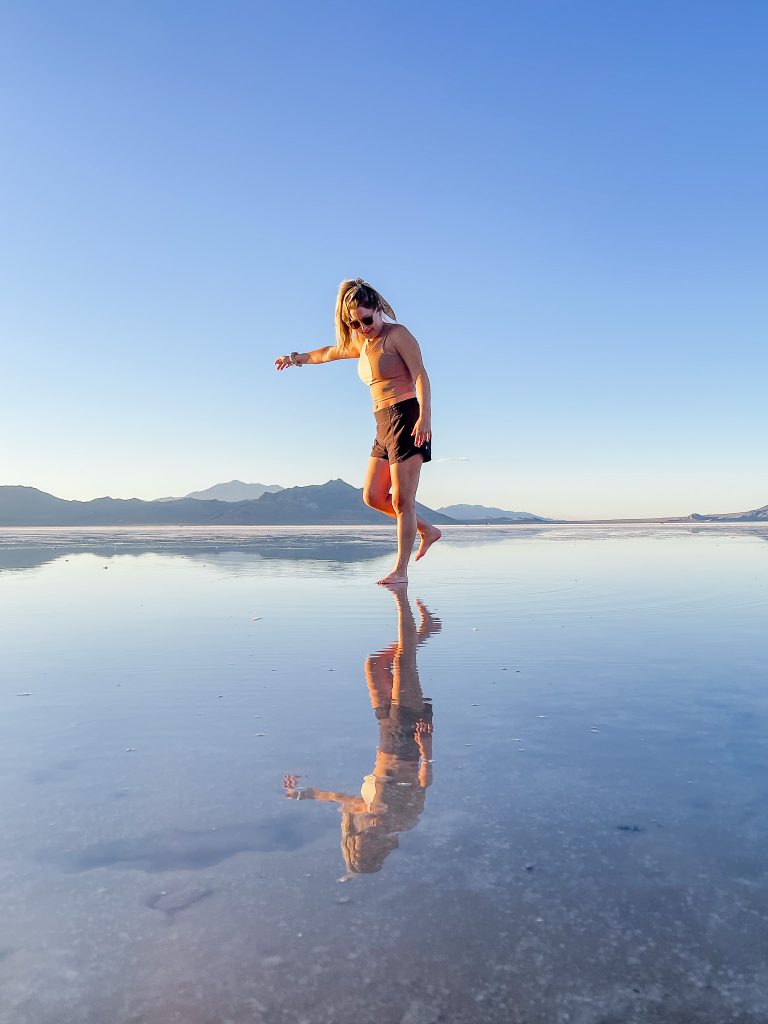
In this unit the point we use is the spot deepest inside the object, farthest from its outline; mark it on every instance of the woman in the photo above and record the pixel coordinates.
(389, 361)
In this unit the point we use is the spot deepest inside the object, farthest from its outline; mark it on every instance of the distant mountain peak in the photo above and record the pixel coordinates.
(484, 513)
(232, 490)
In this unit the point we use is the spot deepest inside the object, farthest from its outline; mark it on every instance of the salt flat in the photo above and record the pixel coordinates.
(583, 843)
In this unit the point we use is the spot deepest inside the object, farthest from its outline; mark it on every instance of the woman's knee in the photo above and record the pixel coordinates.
(375, 497)
(403, 504)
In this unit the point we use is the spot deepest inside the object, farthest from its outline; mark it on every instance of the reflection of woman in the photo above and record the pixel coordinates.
(392, 796)
(389, 361)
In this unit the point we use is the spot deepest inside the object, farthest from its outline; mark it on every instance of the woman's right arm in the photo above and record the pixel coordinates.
(318, 355)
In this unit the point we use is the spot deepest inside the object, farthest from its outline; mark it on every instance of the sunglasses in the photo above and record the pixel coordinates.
(364, 321)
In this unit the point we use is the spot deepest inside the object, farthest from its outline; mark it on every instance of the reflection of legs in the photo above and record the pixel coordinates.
(378, 675)
(391, 488)
(406, 687)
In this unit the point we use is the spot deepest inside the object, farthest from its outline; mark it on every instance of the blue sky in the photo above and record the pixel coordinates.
(564, 201)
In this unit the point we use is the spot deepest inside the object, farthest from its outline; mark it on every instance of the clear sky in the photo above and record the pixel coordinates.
(565, 202)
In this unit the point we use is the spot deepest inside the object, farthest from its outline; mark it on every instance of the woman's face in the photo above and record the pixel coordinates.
(357, 316)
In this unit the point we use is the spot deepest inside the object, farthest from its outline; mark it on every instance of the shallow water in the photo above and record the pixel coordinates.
(214, 810)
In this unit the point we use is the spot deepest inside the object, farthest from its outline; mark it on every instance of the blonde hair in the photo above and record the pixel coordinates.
(354, 293)
(365, 849)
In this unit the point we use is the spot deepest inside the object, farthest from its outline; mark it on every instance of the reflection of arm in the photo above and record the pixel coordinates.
(354, 804)
(424, 743)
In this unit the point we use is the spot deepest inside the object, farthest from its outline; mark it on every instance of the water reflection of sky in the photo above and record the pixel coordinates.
(581, 838)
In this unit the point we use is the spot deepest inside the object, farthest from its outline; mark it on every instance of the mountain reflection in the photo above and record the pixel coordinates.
(392, 796)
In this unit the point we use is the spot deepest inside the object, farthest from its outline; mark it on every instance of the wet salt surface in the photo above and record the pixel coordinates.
(195, 781)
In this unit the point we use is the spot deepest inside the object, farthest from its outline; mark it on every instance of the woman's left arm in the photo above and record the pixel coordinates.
(408, 347)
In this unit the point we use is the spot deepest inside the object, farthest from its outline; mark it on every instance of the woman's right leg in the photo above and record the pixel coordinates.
(377, 489)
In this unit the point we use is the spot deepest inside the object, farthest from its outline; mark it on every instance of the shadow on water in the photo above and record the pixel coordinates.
(181, 849)
(172, 903)
(392, 795)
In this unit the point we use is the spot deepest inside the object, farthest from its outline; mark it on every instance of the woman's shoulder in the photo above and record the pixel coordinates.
(400, 335)
(399, 332)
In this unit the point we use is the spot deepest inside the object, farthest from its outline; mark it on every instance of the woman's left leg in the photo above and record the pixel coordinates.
(405, 481)
(376, 494)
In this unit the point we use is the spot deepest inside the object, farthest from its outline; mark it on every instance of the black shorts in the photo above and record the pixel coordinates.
(397, 730)
(394, 440)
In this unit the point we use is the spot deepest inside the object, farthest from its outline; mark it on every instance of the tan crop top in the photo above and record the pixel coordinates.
(384, 371)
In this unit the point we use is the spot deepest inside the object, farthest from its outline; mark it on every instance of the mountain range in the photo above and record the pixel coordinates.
(236, 490)
(484, 513)
(333, 503)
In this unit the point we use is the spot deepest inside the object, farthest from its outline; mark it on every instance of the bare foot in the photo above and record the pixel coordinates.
(394, 579)
(428, 538)
(430, 624)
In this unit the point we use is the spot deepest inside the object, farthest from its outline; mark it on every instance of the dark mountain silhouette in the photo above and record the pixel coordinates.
(755, 515)
(332, 503)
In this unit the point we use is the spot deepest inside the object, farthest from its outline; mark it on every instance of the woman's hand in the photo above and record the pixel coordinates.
(290, 785)
(422, 431)
(292, 792)
(282, 362)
